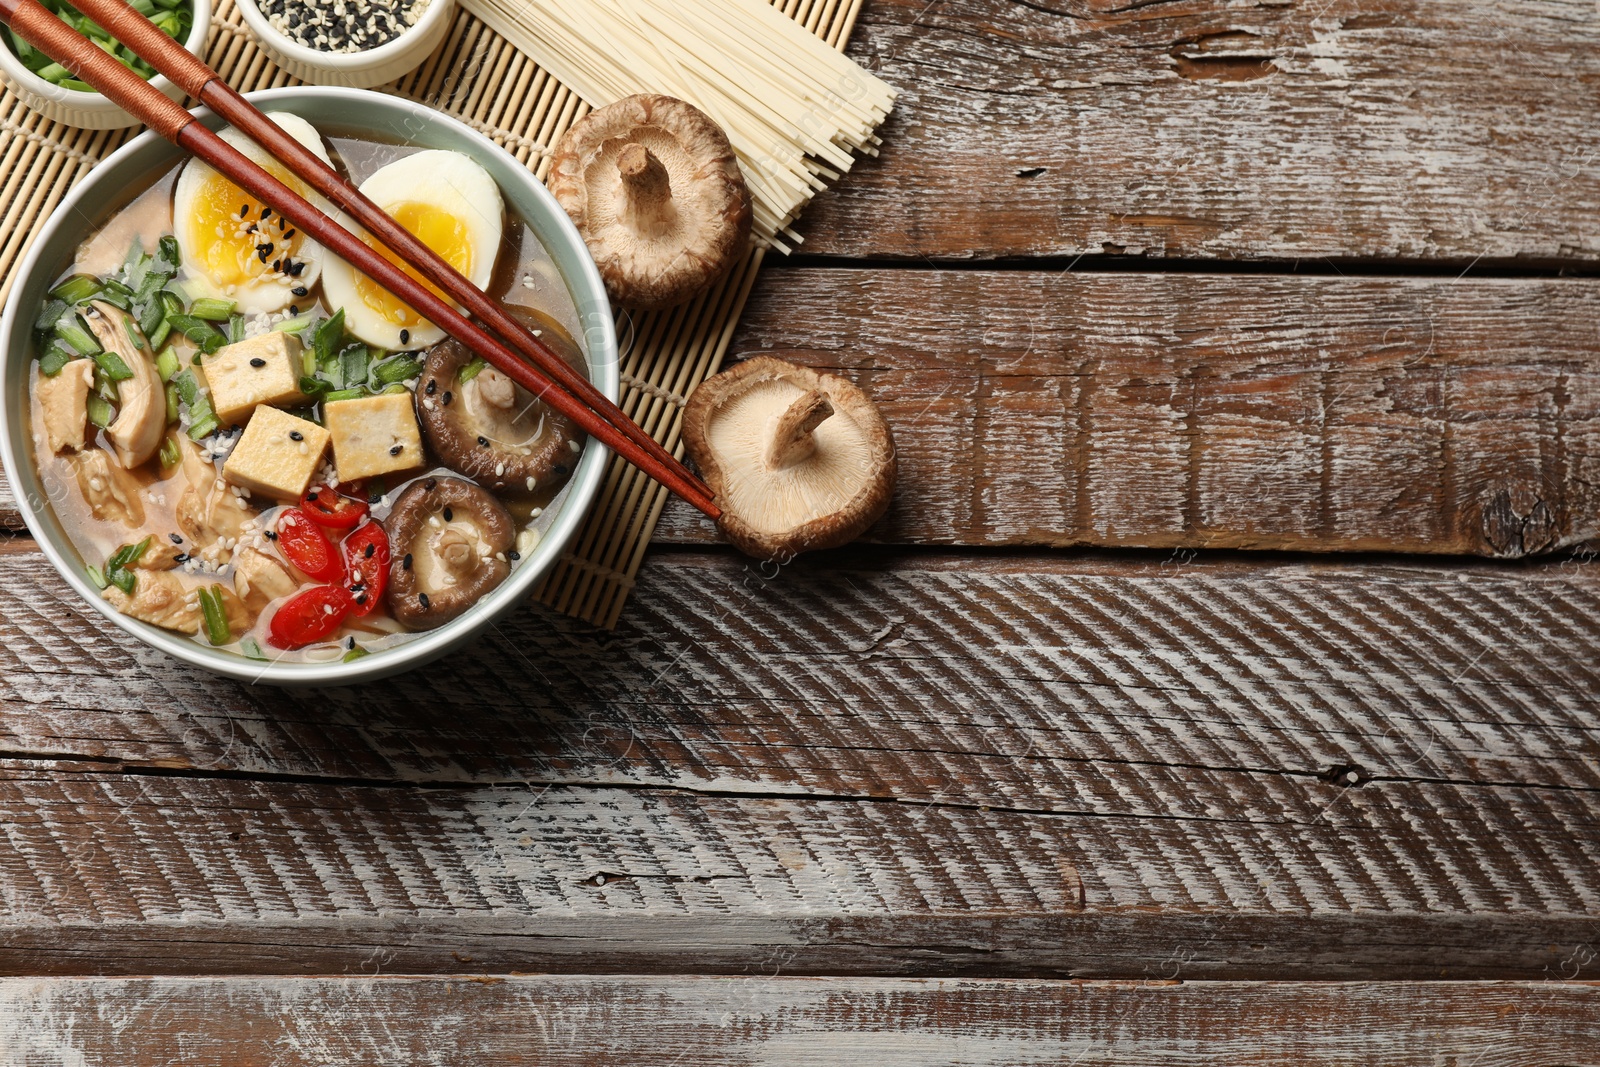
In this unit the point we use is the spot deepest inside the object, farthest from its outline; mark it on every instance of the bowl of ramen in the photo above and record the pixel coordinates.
(245, 453)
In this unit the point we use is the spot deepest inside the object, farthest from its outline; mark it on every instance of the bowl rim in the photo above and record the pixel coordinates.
(581, 490)
(15, 71)
(260, 25)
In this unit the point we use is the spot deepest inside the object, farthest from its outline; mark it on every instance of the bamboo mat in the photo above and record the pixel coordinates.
(480, 79)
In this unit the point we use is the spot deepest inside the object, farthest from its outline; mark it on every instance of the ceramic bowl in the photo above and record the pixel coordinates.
(91, 111)
(356, 70)
(336, 111)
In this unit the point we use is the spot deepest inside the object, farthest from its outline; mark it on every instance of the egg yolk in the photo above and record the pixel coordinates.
(241, 239)
(439, 230)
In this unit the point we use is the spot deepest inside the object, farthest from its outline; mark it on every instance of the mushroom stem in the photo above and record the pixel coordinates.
(792, 437)
(646, 191)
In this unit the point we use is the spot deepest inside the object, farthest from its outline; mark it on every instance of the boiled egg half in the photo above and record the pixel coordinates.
(235, 247)
(449, 203)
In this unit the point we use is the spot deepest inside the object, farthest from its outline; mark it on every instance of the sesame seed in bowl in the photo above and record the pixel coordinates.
(356, 43)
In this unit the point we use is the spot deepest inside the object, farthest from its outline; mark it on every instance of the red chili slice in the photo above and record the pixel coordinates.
(366, 562)
(308, 547)
(328, 507)
(309, 616)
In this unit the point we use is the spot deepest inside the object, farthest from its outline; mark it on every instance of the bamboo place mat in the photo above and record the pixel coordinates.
(480, 79)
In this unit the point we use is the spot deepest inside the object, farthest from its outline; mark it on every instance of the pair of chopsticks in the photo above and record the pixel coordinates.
(550, 378)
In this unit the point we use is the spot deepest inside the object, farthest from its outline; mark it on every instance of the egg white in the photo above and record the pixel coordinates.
(445, 181)
(268, 291)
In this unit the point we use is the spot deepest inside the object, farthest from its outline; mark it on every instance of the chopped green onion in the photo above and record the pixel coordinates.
(344, 394)
(136, 264)
(473, 368)
(170, 456)
(235, 329)
(395, 388)
(355, 654)
(294, 325)
(118, 567)
(199, 331)
(99, 411)
(159, 335)
(315, 387)
(188, 387)
(217, 630)
(54, 358)
(396, 369)
(97, 576)
(167, 364)
(212, 309)
(112, 364)
(167, 252)
(252, 648)
(171, 302)
(172, 403)
(151, 318)
(77, 289)
(329, 333)
(70, 329)
(50, 314)
(134, 337)
(309, 414)
(353, 364)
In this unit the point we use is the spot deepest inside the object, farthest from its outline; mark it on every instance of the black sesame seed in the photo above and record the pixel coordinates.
(405, 564)
(266, 212)
(433, 385)
(299, 290)
(312, 496)
(263, 251)
(258, 362)
(430, 483)
(268, 245)
(287, 234)
(244, 209)
(449, 516)
(448, 396)
(177, 539)
(271, 536)
(483, 442)
(350, 642)
(181, 557)
(561, 468)
(296, 435)
(422, 598)
(371, 548)
(277, 266)
(513, 554)
(405, 337)
(361, 597)
(394, 450)
(295, 268)
(294, 309)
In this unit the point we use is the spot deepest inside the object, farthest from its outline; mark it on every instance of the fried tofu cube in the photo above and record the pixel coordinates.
(277, 455)
(262, 370)
(373, 435)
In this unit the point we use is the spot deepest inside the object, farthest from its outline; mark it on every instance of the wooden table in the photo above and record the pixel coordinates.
(1222, 687)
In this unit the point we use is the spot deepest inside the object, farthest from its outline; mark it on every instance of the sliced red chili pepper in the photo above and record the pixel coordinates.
(308, 547)
(328, 507)
(309, 616)
(366, 563)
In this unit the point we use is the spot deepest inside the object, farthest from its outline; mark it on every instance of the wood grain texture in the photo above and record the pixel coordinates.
(1210, 411)
(1226, 129)
(879, 767)
(795, 1022)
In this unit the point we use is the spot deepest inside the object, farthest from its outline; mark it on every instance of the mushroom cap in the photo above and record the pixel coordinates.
(449, 540)
(665, 223)
(491, 429)
(798, 460)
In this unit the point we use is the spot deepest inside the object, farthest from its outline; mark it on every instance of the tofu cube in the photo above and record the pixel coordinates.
(262, 370)
(277, 455)
(373, 435)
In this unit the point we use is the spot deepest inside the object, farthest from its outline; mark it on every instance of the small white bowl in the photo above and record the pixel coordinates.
(355, 70)
(91, 111)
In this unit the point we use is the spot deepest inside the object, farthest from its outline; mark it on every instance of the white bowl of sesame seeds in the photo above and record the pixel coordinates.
(354, 43)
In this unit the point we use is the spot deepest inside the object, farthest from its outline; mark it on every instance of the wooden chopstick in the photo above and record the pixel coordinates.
(197, 79)
(43, 30)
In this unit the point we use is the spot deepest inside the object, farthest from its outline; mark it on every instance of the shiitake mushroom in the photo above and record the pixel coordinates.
(451, 543)
(489, 428)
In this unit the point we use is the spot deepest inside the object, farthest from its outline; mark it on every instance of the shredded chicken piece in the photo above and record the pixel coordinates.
(64, 402)
(162, 555)
(259, 579)
(164, 599)
(208, 509)
(112, 493)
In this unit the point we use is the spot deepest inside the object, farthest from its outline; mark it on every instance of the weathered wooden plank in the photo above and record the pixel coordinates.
(1417, 129)
(118, 874)
(1032, 683)
(1194, 411)
(873, 765)
(550, 1020)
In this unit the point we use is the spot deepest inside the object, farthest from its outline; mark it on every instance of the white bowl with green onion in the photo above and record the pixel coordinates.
(50, 89)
